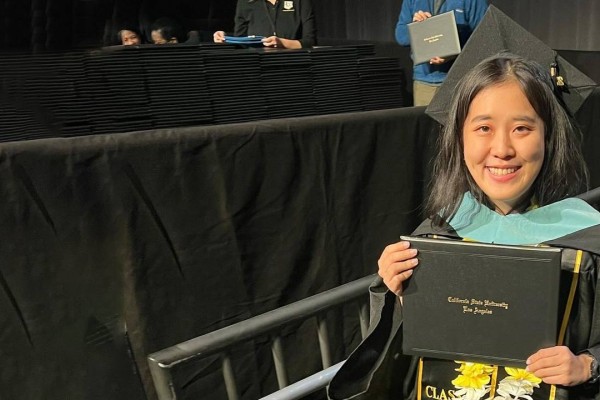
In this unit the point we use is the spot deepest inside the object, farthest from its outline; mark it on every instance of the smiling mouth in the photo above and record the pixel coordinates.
(502, 171)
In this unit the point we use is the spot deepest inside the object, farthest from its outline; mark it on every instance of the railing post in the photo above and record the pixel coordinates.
(229, 377)
(279, 361)
(163, 381)
(324, 341)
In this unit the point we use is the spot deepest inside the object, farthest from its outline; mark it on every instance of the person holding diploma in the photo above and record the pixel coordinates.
(288, 24)
(508, 166)
(428, 77)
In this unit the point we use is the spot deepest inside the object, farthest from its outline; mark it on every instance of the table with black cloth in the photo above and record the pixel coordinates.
(132, 88)
(116, 246)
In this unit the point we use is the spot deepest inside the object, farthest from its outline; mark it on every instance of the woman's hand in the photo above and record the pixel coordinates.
(219, 37)
(396, 265)
(272, 41)
(559, 366)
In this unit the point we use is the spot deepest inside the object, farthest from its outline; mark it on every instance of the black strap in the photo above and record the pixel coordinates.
(271, 21)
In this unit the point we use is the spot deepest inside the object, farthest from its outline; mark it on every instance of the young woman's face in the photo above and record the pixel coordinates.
(503, 144)
(129, 38)
(157, 37)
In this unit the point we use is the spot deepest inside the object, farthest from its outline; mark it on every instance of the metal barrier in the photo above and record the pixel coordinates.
(307, 385)
(217, 342)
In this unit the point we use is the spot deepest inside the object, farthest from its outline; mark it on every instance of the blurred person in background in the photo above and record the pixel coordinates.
(129, 36)
(428, 77)
(288, 24)
(167, 31)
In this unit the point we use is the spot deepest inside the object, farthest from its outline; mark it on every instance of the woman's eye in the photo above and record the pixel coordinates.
(522, 128)
(484, 129)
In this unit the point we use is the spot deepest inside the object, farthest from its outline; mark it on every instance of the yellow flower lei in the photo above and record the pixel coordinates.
(519, 374)
(473, 375)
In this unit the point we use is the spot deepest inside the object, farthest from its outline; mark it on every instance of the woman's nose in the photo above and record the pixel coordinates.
(502, 146)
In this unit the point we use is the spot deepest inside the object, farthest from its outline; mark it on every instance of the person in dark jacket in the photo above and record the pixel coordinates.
(508, 165)
(286, 24)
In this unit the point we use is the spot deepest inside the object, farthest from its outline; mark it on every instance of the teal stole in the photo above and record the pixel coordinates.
(477, 222)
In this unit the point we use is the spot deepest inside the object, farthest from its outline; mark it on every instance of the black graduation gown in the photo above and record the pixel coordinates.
(377, 369)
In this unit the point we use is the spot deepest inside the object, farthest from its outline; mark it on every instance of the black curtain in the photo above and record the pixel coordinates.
(357, 19)
(569, 25)
(561, 24)
(54, 24)
(117, 246)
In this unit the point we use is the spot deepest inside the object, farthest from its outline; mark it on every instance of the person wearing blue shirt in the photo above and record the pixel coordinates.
(428, 77)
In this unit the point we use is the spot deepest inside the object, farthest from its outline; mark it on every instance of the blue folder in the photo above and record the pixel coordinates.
(244, 39)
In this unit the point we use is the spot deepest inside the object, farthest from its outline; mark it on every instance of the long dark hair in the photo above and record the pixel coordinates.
(563, 172)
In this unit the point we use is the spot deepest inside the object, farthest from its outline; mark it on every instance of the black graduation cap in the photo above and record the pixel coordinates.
(498, 33)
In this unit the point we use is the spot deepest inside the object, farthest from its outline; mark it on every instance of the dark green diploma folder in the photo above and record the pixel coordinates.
(480, 302)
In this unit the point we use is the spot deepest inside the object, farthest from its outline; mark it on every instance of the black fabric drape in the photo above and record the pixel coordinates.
(560, 24)
(589, 123)
(118, 246)
(60, 24)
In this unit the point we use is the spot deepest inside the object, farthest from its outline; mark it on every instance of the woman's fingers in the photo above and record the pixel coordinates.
(270, 41)
(219, 36)
(396, 265)
(396, 282)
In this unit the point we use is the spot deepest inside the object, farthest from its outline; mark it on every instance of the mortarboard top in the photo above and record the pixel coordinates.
(499, 33)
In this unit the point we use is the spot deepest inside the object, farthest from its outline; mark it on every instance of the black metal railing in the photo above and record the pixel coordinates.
(219, 341)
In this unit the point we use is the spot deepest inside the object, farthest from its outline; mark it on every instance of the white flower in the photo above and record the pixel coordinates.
(514, 388)
(471, 393)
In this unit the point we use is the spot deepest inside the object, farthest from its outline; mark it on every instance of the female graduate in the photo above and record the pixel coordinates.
(509, 162)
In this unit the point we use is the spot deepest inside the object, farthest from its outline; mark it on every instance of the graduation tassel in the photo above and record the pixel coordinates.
(560, 82)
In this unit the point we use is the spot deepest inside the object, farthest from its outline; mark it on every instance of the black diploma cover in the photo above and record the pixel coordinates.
(437, 36)
(480, 302)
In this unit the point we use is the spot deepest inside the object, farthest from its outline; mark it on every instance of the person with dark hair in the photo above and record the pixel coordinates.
(428, 77)
(508, 165)
(558, 174)
(129, 36)
(166, 31)
(286, 24)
